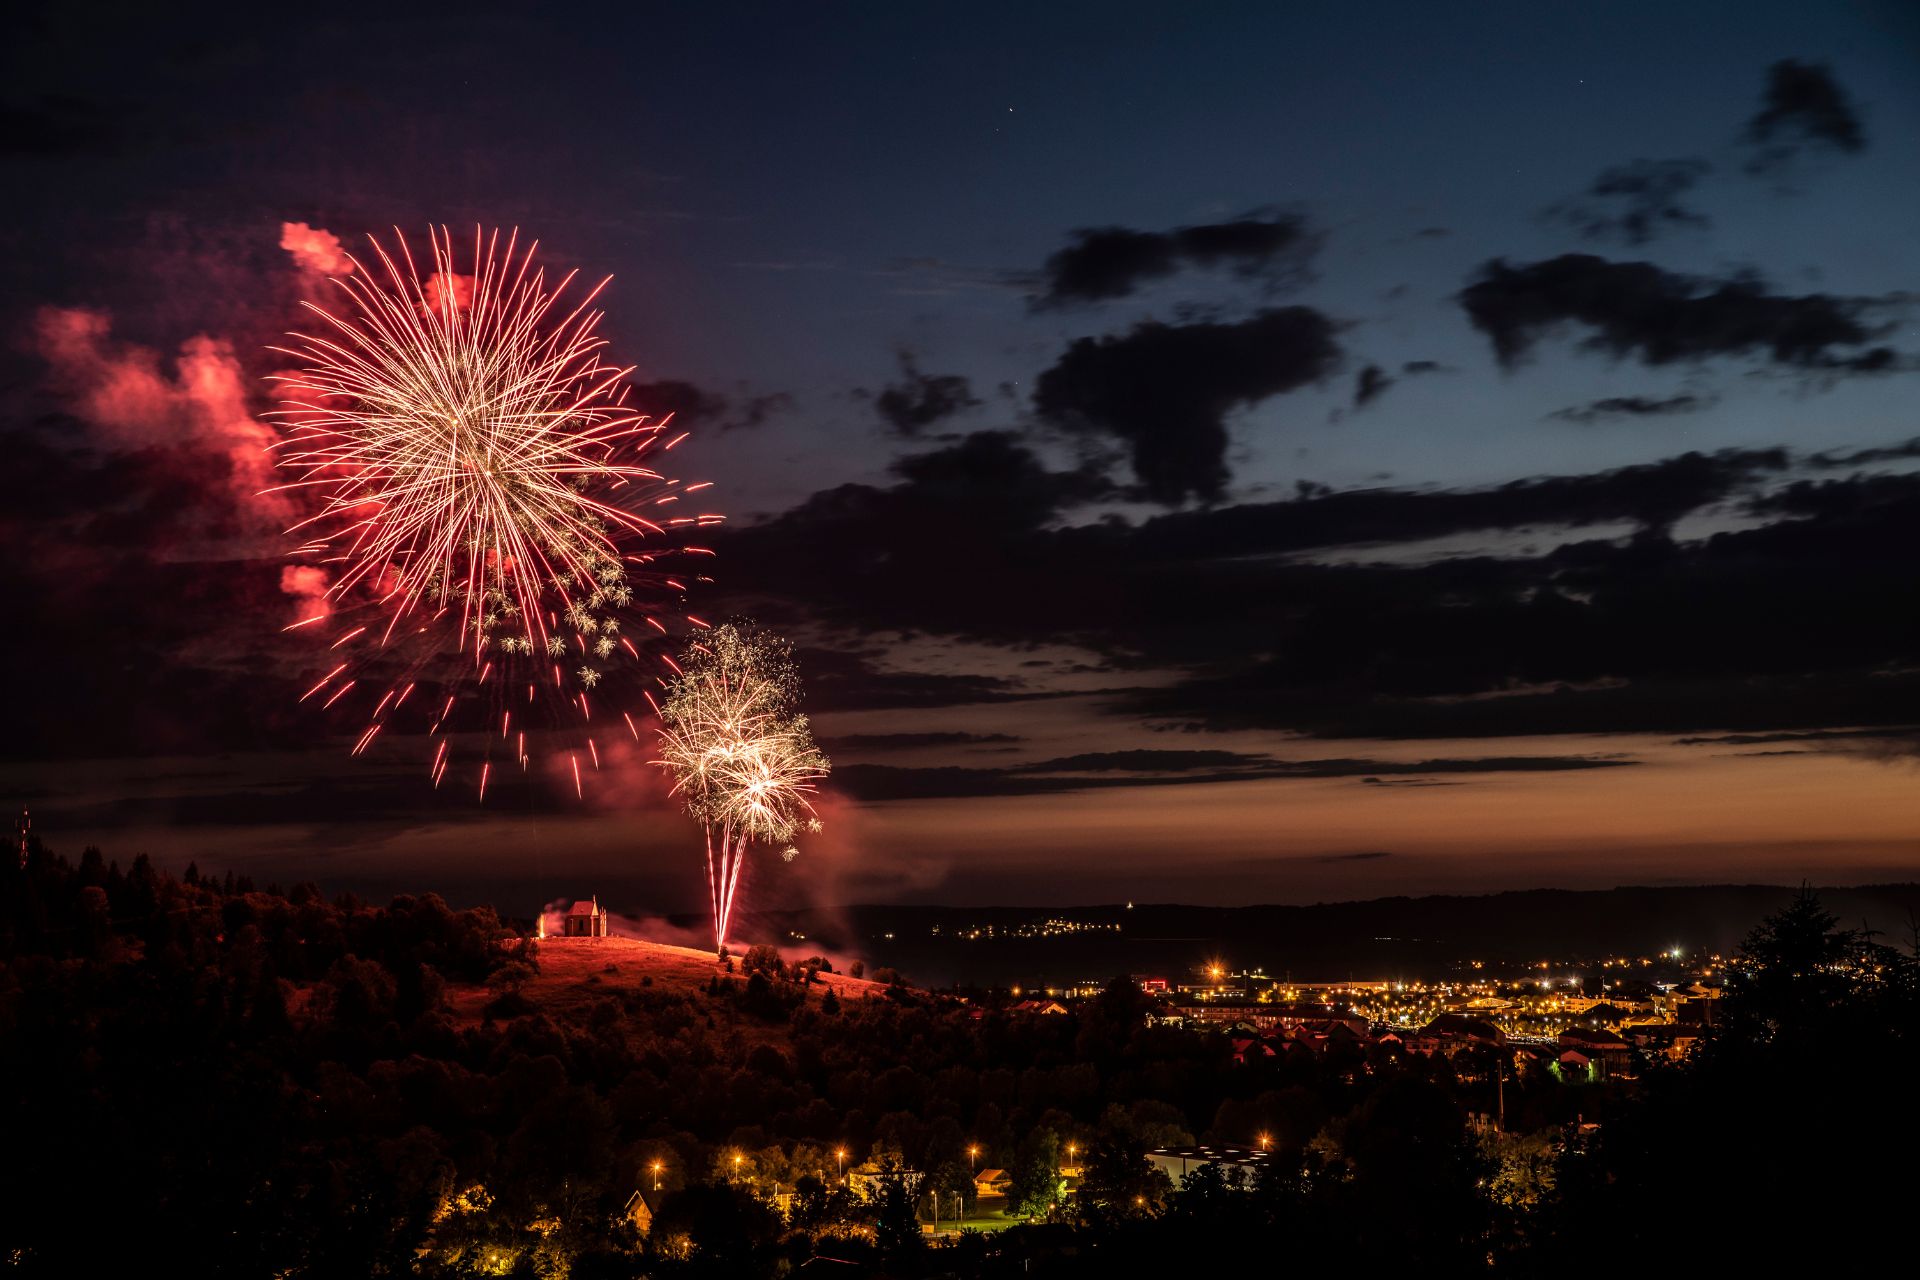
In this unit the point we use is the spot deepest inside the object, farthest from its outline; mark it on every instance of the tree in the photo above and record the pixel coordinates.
(1779, 1118)
(896, 1225)
(952, 1181)
(724, 1229)
(1036, 1184)
(1118, 1182)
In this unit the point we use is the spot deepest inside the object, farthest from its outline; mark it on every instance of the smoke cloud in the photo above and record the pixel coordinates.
(315, 251)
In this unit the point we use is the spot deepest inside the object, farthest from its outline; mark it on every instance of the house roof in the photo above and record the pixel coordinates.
(990, 1175)
(1459, 1025)
(585, 907)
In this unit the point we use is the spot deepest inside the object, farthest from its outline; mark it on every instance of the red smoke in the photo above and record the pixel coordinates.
(446, 286)
(307, 584)
(128, 393)
(199, 403)
(315, 250)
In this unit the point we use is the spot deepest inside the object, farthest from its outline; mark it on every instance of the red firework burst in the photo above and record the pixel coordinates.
(489, 509)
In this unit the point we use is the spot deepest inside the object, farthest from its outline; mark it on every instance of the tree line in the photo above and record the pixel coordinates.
(266, 1081)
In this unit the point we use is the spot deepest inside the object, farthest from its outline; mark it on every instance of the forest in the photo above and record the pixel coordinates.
(248, 1081)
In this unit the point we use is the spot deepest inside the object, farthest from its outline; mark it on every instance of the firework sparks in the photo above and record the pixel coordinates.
(479, 479)
(743, 761)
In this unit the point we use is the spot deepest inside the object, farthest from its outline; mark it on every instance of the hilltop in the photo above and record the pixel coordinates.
(572, 974)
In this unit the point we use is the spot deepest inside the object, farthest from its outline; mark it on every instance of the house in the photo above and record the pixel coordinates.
(1575, 1065)
(991, 1184)
(1326, 1033)
(1039, 1006)
(639, 1209)
(585, 919)
(1248, 1047)
(1670, 1039)
(1613, 1054)
(1450, 1032)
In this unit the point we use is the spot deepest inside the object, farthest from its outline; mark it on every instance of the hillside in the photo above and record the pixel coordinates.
(575, 973)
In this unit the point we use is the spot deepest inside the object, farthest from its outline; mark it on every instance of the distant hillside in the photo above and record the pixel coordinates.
(1381, 938)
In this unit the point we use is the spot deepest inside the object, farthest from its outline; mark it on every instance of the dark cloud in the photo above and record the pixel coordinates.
(840, 681)
(1831, 459)
(1165, 390)
(698, 407)
(968, 544)
(1243, 627)
(1371, 381)
(1638, 310)
(919, 400)
(1803, 107)
(371, 796)
(1652, 494)
(1144, 761)
(1636, 202)
(1103, 263)
(1645, 636)
(1800, 735)
(756, 410)
(914, 741)
(690, 406)
(890, 782)
(1635, 407)
(1853, 499)
(153, 630)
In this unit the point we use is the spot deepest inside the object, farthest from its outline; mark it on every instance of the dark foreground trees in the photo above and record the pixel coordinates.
(1787, 1139)
(262, 1083)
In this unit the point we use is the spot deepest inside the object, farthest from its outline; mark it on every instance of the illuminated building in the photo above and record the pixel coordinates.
(586, 919)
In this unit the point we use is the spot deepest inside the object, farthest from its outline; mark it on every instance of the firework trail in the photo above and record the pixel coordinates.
(480, 484)
(742, 759)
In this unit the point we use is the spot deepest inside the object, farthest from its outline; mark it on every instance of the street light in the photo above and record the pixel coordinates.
(973, 1158)
(736, 1164)
(1071, 1148)
(840, 1160)
(1265, 1142)
(656, 1175)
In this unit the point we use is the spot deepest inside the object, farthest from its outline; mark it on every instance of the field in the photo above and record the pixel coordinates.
(574, 973)
(981, 1220)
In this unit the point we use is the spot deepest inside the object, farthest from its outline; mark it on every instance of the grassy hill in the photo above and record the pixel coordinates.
(575, 974)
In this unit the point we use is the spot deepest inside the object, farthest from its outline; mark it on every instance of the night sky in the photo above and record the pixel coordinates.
(1217, 453)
